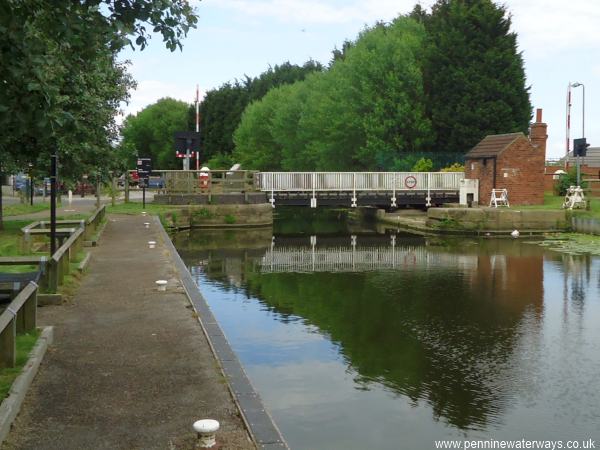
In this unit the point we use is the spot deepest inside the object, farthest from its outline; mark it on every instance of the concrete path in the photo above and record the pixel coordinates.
(130, 367)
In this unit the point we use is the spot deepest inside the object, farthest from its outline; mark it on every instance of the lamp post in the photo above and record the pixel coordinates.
(575, 85)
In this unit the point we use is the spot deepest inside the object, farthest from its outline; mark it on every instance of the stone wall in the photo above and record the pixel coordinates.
(497, 219)
(220, 216)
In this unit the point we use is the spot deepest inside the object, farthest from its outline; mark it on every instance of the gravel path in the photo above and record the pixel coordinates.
(130, 367)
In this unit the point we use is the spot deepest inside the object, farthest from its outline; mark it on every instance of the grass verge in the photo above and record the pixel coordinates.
(137, 208)
(25, 343)
(555, 202)
(10, 237)
(24, 208)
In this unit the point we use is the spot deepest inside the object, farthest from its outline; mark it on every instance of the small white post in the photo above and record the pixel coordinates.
(206, 429)
(151, 244)
(161, 285)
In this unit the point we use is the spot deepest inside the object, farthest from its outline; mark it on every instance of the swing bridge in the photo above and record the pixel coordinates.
(390, 189)
(313, 189)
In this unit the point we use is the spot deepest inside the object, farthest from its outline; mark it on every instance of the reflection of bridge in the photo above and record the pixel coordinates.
(354, 258)
(360, 188)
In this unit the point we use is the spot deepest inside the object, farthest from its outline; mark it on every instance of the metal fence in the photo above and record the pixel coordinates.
(207, 182)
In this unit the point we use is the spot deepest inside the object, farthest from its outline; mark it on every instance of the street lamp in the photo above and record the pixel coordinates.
(577, 84)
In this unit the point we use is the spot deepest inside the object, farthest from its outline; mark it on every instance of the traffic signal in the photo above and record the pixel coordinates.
(580, 147)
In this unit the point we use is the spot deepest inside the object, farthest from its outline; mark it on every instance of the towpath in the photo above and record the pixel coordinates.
(130, 367)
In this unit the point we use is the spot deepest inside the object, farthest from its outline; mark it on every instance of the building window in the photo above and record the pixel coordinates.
(472, 166)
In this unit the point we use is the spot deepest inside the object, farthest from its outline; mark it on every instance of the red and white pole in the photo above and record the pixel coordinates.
(568, 133)
(197, 125)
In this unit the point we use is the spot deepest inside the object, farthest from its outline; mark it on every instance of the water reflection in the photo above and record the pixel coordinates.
(459, 328)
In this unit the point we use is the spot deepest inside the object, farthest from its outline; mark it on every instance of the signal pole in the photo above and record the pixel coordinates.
(197, 124)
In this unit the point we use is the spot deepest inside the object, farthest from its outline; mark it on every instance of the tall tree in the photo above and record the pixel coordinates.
(474, 75)
(364, 113)
(60, 82)
(222, 108)
(149, 133)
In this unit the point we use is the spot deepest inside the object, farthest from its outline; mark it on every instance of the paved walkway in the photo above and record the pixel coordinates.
(130, 367)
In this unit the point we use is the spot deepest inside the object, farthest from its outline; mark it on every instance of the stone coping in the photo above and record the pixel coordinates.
(259, 422)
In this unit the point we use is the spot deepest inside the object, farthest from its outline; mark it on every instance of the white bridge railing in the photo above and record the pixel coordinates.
(355, 182)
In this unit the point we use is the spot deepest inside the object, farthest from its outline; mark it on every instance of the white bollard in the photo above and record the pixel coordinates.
(147, 224)
(151, 244)
(70, 197)
(161, 284)
(515, 233)
(206, 429)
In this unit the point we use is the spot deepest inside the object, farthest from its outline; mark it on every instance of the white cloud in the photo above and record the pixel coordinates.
(547, 26)
(317, 12)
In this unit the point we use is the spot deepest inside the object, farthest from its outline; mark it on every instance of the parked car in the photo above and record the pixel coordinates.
(21, 181)
(156, 183)
(84, 188)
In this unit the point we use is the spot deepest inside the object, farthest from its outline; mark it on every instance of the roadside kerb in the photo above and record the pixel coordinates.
(258, 421)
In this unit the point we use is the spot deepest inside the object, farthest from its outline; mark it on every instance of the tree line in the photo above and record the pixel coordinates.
(413, 94)
(433, 83)
(150, 132)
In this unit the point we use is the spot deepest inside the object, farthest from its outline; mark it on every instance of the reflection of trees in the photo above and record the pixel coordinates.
(444, 336)
(439, 337)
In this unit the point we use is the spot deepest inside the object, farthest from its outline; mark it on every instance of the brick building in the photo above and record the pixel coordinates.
(513, 162)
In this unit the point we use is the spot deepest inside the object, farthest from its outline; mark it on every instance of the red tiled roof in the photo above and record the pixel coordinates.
(492, 145)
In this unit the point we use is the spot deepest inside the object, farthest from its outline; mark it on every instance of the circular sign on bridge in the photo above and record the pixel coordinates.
(410, 182)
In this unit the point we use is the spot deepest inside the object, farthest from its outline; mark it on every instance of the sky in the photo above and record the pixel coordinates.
(560, 42)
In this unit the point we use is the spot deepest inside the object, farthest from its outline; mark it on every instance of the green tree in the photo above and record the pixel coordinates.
(221, 109)
(474, 76)
(361, 114)
(60, 83)
(150, 132)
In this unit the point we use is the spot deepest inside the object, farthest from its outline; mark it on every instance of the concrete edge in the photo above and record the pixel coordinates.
(429, 231)
(11, 405)
(49, 299)
(199, 303)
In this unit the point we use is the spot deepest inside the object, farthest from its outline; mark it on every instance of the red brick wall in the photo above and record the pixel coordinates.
(519, 169)
(476, 169)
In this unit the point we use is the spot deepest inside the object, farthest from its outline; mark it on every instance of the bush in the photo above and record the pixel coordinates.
(423, 165)
(455, 167)
(567, 180)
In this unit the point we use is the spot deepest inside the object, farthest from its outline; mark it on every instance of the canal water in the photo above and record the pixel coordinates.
(364, 338)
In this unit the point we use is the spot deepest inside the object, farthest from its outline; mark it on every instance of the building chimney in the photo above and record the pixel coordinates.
(537, 132)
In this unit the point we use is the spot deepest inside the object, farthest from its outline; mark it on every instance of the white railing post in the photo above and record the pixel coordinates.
(428, 198)
(353, 204)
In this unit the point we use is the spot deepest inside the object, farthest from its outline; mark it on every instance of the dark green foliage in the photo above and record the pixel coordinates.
(61, 84)
(221, 108)
(150, 133)
(473, 73)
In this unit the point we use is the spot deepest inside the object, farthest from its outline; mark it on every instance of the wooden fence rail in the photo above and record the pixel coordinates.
(19, 317)
(59, 264)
